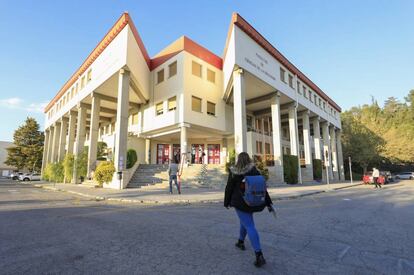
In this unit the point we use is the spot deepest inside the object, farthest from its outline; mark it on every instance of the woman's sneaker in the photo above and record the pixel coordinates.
(240, 245)
(260, 260)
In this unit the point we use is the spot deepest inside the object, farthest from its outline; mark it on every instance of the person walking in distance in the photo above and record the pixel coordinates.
(234, 197)
(375, 176)
(173, 170)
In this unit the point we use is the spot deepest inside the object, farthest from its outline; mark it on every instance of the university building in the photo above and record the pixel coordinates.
(187, 101)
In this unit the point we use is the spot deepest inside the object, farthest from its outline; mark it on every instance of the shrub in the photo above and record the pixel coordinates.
(101, 153)
(260, 165)
(82, 163)
(290, 169)
(131, 158)
(232, 160)
(317, 169)
(57, 172)
(47, 172)
(68, 163)
(104, 172)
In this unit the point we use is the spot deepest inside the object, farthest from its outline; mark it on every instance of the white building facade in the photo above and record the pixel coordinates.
(188, 102)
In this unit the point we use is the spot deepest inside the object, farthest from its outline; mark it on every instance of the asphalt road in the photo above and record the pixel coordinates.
(358, 230)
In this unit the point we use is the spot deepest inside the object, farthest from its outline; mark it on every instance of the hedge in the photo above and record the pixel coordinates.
(54, 172)
(232, 160)
(317, 169)
(290, 169)
(131, 158)
(104, 172)
(68, 163)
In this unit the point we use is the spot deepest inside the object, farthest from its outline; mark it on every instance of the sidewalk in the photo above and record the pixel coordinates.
(188, 196)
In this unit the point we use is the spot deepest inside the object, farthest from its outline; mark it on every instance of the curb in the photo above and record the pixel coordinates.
(179, 201)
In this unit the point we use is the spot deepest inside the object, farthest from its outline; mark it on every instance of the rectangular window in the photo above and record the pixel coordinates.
(159, 109)
(291, 81)
(304, 91)
(298, 87)
(282, 74)
(160, 76)
(196, 104)
(76, 88)
(172, 69)
(89, 75)
(82, 82)
(315, 99)
(211, 108)
(134, 119)
(320, 102)
(310, 95)
(211, 76)
(259, 147)
(267, 148)
(196, 69)
(172, 103)
(324, 105)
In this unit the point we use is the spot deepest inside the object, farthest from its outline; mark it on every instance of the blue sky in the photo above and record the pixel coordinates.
(351, 49)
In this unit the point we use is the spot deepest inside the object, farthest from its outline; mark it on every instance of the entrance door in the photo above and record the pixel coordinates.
(163, 153)
(197, 151)
(214, 154)
(176, 152)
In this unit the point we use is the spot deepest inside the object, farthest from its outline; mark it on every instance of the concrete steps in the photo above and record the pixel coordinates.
(148, 174)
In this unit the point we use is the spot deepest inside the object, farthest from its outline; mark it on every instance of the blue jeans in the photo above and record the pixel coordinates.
(173, 178)
(247, 227)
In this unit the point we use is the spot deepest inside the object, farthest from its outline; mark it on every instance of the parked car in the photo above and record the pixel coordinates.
(388, 176)
(367, 178)
(15, 175)
(29, 177)
(405, 175)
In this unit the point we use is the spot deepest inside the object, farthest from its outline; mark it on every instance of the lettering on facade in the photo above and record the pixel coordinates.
(259, 65)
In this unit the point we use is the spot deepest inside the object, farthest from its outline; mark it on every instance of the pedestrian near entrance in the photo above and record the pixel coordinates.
(375, 176)
(173, 170)
(235, 190)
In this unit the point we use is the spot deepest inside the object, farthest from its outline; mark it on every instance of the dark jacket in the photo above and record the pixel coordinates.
(234, 193)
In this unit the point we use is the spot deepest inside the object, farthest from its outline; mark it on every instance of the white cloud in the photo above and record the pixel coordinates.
(20, 104)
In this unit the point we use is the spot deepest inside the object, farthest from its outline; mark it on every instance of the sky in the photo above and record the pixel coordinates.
(352, 50)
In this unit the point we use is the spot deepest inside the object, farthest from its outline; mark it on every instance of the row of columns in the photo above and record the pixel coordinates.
(56, 137)
(332, 147)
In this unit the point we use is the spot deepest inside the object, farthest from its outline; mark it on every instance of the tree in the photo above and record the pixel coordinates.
(101, 153)
(28, 150)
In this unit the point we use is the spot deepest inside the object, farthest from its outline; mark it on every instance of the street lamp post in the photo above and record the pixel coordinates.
(350, 168)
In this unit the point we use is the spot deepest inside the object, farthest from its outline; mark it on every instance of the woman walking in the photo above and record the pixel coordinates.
(234, 198)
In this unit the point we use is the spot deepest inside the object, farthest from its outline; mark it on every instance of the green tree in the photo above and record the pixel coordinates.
(28, 150)
(101, 152)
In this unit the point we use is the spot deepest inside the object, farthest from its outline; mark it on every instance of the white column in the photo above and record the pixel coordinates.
(327, 148)
(334, 155)
(121, 126)
(62, 138)
(277, 137)
(93, 134)
(293, 131)
(148, 151)
(340, 155)
(307, 145)
(80, 138)
(263, 139)
(183, 141)
(239, 107)
(55, 147)
(50, 144)
(71, 131)
(317, 137)
(45, 149)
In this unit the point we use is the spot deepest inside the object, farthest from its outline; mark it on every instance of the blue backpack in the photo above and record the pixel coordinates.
(255, 190)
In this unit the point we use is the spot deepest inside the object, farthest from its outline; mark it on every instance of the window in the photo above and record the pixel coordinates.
(315, 99)
(211, 108)
(267, 148)
(134, 119)
(320, 102)
(196, 104)
(211, 76)
(304, 91)
(324, 105)
(172, 103)
(76, 88)
(172, 69)
(159, 110)
(282, 74)
(249, 122)
(196, 69)
(310, 95)
(291, 81)
(298, 87)
(82, 82)
(160, 76)
(259, 147)
(89, 75)
(266, 127)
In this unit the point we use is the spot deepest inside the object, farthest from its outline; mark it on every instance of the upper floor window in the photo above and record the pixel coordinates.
(324, 105)
(304, 91)
(291, 81)
(315, 98)
(172, 69)
(211, 108)
(196, 104)
(211, 76)
(160, 76)
(76, 88)
(259, 146)
(267, 148)
(172, 103)
(134, 119)
(298, 87)
(89, 75)
(310, 95)
(320, 102)
(83, 82)
(196, 69)
(159, 109)
(282, 74)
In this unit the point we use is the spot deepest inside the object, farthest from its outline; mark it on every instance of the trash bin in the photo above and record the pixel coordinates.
(119, 175)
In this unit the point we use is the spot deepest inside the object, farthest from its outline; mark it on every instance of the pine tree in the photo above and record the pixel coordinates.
(28, 150)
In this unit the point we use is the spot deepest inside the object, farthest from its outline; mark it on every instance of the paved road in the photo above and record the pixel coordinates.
(353, 231)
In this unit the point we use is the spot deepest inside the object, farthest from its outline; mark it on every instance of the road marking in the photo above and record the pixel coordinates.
(346, 199)
(343, 253)
(13, 191)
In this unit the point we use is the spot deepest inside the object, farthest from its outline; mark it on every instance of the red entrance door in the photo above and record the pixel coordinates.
(176, 152)
(197, 151)
(163, 153)
(214, 153)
